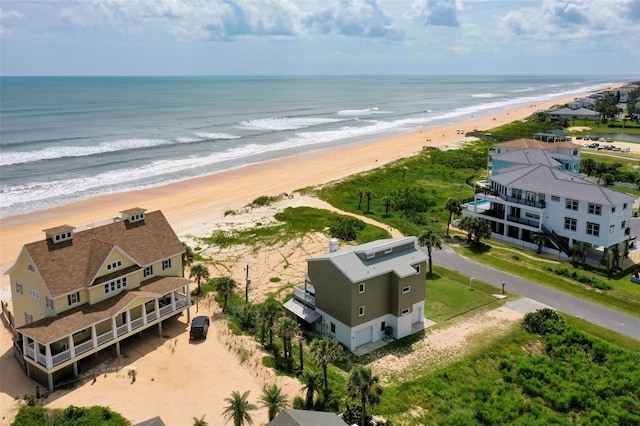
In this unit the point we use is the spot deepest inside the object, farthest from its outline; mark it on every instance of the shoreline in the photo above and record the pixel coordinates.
(190, 203)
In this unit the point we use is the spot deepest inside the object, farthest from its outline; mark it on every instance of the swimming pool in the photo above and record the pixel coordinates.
(481, 204)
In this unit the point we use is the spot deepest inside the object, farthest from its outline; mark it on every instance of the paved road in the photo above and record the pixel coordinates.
(592, 312)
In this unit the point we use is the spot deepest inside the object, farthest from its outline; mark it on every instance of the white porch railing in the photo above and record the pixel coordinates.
(61, 357)
(42, 359)
(165, 310)
(30, 352)
(122, 330)
(137, 323)
(105, 337)
(152, 316)
(84, 347)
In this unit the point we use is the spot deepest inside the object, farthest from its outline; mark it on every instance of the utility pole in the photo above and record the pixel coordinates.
(246, 287)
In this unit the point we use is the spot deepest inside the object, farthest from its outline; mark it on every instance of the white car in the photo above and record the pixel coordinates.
(627, 149)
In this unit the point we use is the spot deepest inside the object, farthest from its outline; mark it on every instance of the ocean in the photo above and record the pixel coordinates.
(64, 139)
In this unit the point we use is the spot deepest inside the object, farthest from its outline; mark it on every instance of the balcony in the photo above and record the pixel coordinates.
(495, 196)
(529, 222)
(34, 350)
(305, 297)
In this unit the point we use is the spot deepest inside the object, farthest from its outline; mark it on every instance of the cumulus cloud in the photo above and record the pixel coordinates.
(356, 18)
(571, 12)
(517, 23)
(437, 12)
(10, 14)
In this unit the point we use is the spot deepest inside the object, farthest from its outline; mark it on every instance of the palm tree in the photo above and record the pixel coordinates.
(312, 381)
(360, 193)
(387, 202)
(187, 255)
(200, 272)
(269, 311)
(273, 398)
(200, 421)
(287, 329)
(454, 207)
(431, 240)
(539, 238)
(238, 409)
(324, 351)
(225, 287)
(364, 386)
(369, 195)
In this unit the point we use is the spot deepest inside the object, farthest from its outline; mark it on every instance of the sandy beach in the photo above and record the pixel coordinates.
(195, 207)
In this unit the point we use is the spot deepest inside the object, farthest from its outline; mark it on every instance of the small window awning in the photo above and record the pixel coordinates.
(302, 311)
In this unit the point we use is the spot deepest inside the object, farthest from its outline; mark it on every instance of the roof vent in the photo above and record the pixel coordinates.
(334, 245)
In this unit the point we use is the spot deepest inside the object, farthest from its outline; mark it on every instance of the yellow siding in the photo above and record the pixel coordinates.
(115, 256)
(61, 304)
(24, 302)
(103, 327)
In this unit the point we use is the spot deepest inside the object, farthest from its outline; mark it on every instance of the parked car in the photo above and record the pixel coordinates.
(627, 149)
(578, 137)
(594, 145)
(609, 140)
(199, 328)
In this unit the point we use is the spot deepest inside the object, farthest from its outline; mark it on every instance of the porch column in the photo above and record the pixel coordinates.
(156, 307)
(114, 327)
(75, 368)
(72, 346)
(48, 358)
(94, 336)
(24, 346)
(118, 348)
(128, 315)
(144, 313)
(173, 301)
(159, 328)
(50, 376)
(188, 293)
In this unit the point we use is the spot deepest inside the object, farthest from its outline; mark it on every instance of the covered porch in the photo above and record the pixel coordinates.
(52, 345)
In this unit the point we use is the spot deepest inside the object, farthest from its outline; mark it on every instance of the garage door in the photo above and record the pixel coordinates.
(363, 336)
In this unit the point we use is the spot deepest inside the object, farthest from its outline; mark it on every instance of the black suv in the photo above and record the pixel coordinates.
(199, 328)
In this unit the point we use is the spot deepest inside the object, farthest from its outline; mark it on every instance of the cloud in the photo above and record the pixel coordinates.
(436, 12)
(10, 14)
(354, 18)
(516, 23)
(568, 12)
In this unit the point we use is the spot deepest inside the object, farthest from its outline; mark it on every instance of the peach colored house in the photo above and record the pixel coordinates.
(79, 291)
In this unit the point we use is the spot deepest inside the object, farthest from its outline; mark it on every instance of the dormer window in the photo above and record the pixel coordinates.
(114, 265)
(59, 233)
(133, 215)
(136, 217)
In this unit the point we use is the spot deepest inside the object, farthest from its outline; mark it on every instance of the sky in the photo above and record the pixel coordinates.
(319, 37)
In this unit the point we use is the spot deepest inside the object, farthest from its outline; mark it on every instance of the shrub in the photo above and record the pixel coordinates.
(346, 228)
(543, 321)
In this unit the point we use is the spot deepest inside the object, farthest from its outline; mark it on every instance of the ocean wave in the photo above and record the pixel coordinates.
(56, 152)
(485, 95)
(216, 136)
(526, 89)
(285, 123)
(361, 112)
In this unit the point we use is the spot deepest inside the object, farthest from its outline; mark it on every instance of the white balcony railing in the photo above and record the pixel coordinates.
(61, 357)
(84, 347)
(152, 316)
(137, 323)
(30, 352)
(122, 330)
(105, 337)
(165, 310)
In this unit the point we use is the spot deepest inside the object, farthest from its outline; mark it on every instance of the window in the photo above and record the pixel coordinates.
(360, 288)
(31, 268)
(624, 206)
(570, 223)
(532, 215)
(333, 327)
(371, 255)
(593, 229)
(388, 251)
(612, 228)
(166, 264)
(595, 209)
(62, 237)
(613, 209)
(148, 271)
(555, 198)
(516, 193)
(19, 288)
(623, 224)
(571, 204)
(73, 298)
(406, 289)
(382, 325)
(34, 293)
(28, 318)
(136, 217)
(49, 302)
(417, 268)
(115, 285)
(361, 310)
(114, 265)
(405, 311)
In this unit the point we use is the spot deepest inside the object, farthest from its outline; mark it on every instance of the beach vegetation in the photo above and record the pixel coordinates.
(238, 409)
(265, 200)
(274, 400)
(200, 421)
(225, 286)
(364, 387)
(324, 351)
(454, 207)
(432, 240)
(559, 376)
(346, 228)
(312, 382)
(200, 272)
(476, 229)
(70, 416)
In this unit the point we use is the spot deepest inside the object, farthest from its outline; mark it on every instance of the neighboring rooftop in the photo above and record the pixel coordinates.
(291, 417)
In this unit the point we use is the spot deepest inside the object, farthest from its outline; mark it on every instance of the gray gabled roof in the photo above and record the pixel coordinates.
(291, 417)
(532, 156)
(394, 255)
(541, 178)
(578, 111)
